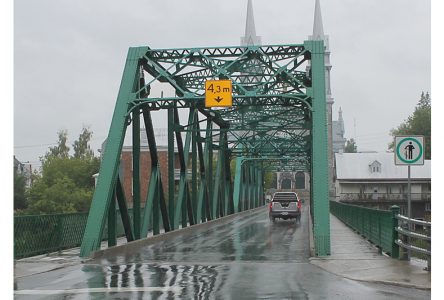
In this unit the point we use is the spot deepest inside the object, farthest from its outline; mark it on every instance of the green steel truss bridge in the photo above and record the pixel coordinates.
(277, 122)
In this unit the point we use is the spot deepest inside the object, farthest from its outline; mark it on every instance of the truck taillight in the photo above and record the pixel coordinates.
(270, 205)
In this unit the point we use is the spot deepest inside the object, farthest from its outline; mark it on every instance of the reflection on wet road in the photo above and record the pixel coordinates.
(246, 258)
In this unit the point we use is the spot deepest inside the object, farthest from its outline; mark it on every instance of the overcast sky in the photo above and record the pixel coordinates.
(69, 57)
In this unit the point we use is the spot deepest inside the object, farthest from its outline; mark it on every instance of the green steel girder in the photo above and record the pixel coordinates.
(277, 121)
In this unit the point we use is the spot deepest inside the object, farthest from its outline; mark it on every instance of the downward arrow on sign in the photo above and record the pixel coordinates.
(218, 99)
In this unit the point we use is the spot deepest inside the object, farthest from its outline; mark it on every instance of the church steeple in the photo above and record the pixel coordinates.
(250, 37)
(318, 28)
(341, 120)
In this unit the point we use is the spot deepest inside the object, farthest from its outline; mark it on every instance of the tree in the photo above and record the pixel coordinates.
(61, 150)
(66, 183)
(81, 146)
(19, 190)
(269, 179)
(350, 146)
(419, 123)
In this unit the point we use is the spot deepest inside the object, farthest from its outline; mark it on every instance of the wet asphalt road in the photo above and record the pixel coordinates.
(247, 258)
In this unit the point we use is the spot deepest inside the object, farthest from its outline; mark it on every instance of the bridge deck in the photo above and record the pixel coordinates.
(244, 257)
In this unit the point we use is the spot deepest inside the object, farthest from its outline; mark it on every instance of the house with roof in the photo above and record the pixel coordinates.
(373, 180)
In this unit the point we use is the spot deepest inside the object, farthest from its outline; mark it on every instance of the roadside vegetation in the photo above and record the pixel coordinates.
(65, 183)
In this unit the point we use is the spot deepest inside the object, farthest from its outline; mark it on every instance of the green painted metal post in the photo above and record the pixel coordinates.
(225, 175)
(237, 186)
(112, 241)
(246, 184)
(194, 166)
(321, 210)
(111, 155)
(217, 185)
(228, 190)
(136, 173)
(209, 173)
(171, 167)
(156, 204)
(259, 186)
(251, 178)
(395, 248)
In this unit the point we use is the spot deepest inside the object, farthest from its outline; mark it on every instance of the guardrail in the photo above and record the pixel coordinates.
(378, 226)
(39, 234)
(385, 196)
(415, 238)
(388, 230)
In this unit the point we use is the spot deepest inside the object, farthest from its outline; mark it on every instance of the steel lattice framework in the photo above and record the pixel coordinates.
(278, 120)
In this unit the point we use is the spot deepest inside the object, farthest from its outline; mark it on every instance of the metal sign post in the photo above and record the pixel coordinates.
(409, 150)
(409, 208)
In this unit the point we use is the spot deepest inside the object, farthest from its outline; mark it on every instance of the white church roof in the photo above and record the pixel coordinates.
(354, 166)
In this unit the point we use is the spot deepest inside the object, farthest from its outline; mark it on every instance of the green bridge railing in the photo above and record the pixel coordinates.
(39, 234)
(378, 226)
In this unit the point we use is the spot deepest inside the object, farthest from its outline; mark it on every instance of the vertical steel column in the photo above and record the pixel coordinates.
(171, 167)
(111, 156)
(136, 173)
(208, 160)
(259, 186)
(217, 181)
(112, 241)
(194, 165)
(237, 186)
(229, 209)
(321, 205)
(225, 189)
(246, 185)
(210, 171)
(253, 186)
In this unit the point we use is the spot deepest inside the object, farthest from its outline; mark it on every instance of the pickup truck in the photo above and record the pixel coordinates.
(285, 205)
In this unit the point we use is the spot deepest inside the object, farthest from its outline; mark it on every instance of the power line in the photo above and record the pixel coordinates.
(51, 144)
(34, 146)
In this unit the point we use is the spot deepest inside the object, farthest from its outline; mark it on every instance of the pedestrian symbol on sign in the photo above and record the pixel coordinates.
(409, 150)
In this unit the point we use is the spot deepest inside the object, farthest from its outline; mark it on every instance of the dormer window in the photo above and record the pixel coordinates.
(375, 167)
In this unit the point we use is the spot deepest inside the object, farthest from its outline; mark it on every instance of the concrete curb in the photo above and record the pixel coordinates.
(354, 258)
(164, 236)
(387, 282)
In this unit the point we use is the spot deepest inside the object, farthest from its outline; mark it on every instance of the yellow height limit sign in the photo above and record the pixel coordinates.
(218, 93)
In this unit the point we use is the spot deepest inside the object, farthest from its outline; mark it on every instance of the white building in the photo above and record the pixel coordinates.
(373, 179)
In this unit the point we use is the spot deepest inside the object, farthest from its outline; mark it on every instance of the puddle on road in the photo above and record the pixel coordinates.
(188, 280)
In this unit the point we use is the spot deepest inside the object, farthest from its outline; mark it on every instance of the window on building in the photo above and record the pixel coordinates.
(375, 167)
(300, 180)
(428, 206)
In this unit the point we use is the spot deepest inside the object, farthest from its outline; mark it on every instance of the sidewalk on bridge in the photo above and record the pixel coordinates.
(47, 262)
(353, 257)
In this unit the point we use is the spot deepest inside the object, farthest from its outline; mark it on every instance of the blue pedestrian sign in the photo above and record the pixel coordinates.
(409, 150)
